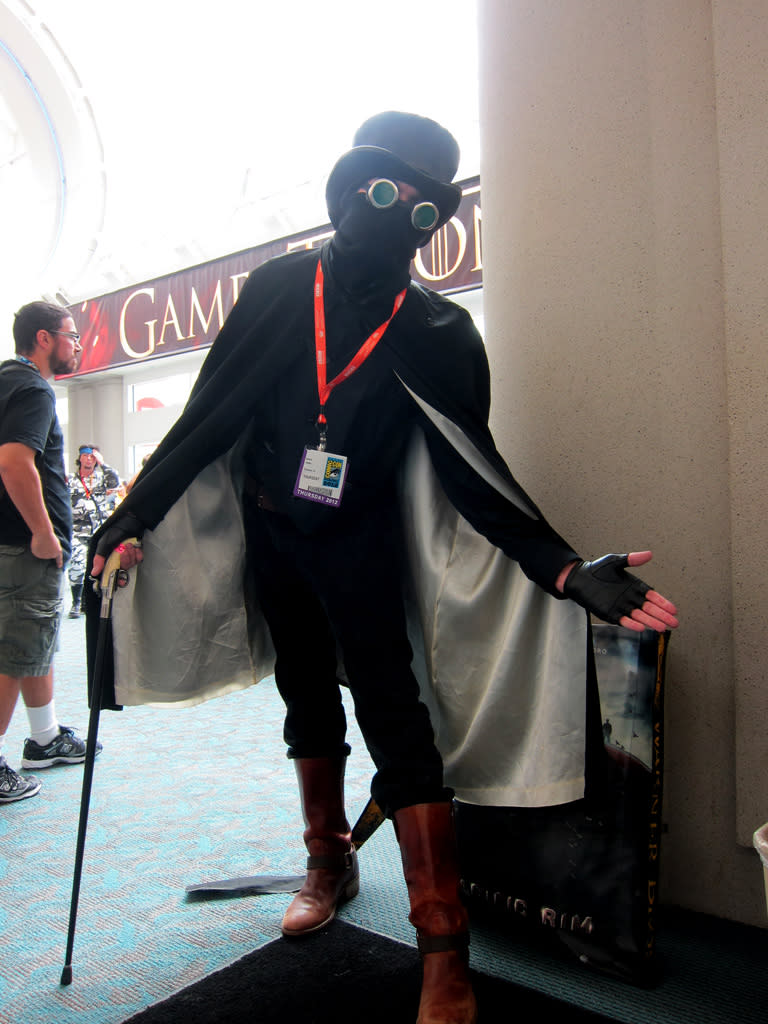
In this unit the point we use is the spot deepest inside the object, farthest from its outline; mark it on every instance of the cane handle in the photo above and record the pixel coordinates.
(112, 564)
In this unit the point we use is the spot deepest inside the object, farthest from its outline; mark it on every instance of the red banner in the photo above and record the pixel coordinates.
(186, 310)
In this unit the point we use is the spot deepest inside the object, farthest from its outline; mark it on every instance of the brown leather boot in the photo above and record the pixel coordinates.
(428, 848)
(332, 872)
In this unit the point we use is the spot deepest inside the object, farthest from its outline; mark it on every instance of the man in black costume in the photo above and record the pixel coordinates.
(322, 371)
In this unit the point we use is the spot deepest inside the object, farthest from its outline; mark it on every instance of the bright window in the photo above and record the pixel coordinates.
(162, 392)
(136, 455)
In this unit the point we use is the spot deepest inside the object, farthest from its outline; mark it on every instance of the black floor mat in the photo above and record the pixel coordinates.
(340, 973)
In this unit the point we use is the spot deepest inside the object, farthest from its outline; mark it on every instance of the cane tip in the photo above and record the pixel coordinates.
(66, 975)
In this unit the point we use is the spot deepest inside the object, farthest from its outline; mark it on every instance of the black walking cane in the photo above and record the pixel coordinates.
(107, 584)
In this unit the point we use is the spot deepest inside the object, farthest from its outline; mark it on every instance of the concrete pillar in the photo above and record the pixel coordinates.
(615, 351)
(741, 63)
(96, 415)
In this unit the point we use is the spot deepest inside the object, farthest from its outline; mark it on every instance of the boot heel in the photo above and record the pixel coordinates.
(351, 889)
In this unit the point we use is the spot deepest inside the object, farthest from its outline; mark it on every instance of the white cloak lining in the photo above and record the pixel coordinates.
(501, 664)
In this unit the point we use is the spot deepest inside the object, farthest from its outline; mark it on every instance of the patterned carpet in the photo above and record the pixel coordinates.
(207, 793)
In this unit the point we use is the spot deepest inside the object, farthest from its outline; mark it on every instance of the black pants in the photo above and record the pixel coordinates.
(339, 593)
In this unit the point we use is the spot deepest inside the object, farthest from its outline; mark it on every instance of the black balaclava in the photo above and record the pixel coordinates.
(371, 251)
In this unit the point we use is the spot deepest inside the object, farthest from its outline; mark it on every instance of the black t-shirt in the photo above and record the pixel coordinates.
(28, 417)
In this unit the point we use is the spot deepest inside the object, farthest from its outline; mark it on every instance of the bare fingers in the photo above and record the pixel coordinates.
(656, 613)
(130, 556)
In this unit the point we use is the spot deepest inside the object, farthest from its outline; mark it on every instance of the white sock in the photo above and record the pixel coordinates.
(2, 746)
(43, 724)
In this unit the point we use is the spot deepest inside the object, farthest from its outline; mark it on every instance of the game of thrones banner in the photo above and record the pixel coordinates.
(185, 311)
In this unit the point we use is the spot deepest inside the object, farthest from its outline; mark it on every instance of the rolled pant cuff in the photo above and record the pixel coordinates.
(344, 750)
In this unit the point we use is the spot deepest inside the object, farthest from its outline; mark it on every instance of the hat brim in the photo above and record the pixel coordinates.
(365, 162)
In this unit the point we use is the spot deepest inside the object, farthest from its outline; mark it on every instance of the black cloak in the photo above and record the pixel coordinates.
(435, 351)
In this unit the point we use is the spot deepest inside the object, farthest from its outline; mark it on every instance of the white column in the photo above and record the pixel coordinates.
(741, 61)
(610, 333)
(96, 416)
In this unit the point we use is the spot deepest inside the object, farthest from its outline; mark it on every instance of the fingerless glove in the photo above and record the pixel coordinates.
(605, 588)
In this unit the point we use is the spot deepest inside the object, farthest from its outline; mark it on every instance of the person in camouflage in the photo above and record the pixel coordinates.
(93, 494)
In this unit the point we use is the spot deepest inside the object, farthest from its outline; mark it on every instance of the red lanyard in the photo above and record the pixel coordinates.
(85, 485)
(324, 390)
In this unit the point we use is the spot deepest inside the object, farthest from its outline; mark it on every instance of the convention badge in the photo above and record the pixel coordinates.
(321, 477)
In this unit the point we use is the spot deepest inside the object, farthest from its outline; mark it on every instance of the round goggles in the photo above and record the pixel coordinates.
(384, 193)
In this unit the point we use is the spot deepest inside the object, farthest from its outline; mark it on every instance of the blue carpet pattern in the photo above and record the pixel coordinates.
(207, 793)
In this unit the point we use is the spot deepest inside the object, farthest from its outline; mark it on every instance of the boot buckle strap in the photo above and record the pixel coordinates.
(442, 943)
(339, 861)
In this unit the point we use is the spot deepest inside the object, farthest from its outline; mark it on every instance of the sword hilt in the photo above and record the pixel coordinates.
(370, 819)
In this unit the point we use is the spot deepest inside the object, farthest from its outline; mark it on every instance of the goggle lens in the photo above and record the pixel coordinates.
(383, 193)
(424, 216)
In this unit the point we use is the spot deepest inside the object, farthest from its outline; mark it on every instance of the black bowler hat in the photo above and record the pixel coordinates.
(408, 147)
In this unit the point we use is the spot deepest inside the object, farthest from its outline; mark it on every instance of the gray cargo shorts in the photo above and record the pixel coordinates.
(30, 611)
